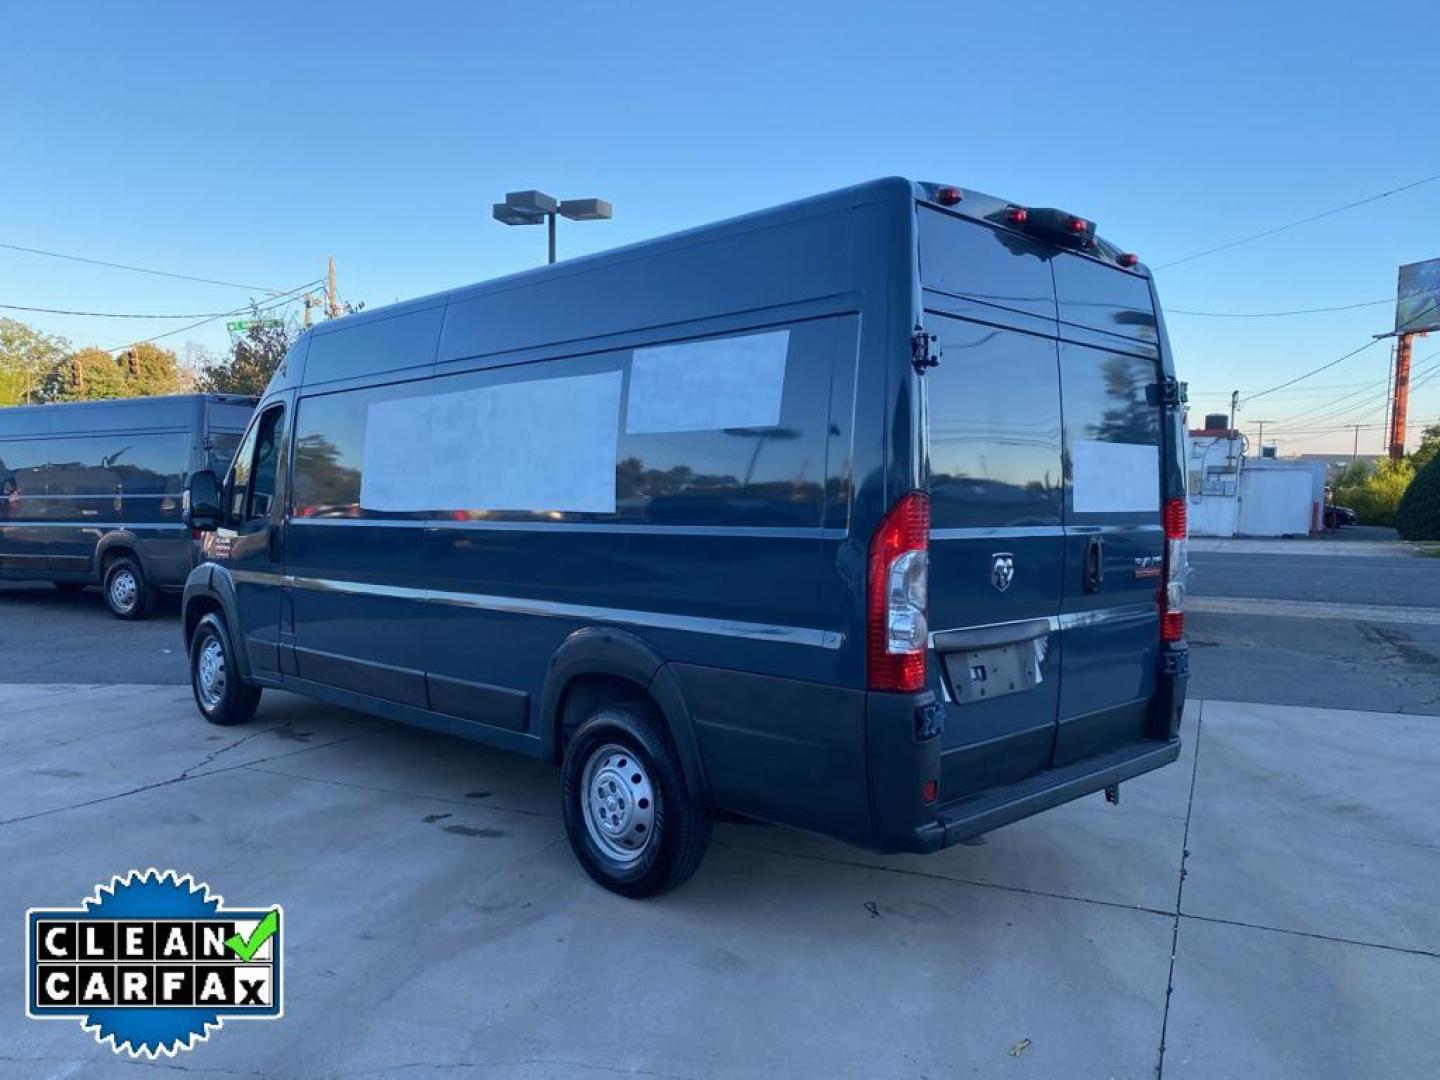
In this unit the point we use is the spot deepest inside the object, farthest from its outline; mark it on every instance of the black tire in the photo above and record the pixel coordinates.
(233, 700)
(69, 588)
(678, 828)
(128, 594)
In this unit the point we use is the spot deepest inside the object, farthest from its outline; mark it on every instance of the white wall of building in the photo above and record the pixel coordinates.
(1277, 498)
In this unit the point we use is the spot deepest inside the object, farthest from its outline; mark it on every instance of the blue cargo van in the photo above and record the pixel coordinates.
(863, 515)
(90, 491)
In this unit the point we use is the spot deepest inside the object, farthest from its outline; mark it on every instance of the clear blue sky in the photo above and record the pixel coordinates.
(248, 142)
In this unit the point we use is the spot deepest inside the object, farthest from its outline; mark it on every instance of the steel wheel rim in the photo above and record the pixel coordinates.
(619, 803)
(123, 589)
(210, 672)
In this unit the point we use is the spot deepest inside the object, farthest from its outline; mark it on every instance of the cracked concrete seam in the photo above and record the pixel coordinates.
(184, 777)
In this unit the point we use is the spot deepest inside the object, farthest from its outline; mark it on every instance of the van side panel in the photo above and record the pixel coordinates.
(731, 552)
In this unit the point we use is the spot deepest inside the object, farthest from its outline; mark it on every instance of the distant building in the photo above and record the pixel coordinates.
(1231, 494)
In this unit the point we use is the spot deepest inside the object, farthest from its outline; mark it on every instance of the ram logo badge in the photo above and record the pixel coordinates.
(1002, 570)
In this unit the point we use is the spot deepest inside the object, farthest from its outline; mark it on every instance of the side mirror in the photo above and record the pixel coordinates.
(201, 504)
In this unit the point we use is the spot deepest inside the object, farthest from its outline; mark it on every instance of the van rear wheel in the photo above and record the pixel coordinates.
(632, 822)
(127, 594)
(224, 698)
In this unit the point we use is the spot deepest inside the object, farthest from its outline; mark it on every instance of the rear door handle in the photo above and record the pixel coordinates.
(272, 534)
(1094, 564)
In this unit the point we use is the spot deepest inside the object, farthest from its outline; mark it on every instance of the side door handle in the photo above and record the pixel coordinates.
(272, 542)
(1094, 564)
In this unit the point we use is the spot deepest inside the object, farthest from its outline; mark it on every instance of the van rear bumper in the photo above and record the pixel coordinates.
(901, 764)
(968, 818)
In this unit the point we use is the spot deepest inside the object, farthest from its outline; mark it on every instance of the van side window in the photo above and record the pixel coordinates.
(22, 473)
(125, 463)
(251, 487)
(265, 472)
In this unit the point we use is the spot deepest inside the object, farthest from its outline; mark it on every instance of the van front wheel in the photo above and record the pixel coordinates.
(224, 698)
(632, 822)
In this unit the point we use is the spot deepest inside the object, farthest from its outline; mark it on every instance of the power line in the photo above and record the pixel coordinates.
(110, 314)
(281, 300)
(1323, 367)
(1276, 314)
(1302, 221)
(136, 269)
(1325, 408)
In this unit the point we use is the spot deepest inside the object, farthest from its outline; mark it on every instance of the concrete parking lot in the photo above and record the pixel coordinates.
(1264, 907)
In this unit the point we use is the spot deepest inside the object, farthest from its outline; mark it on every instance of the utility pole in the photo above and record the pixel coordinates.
(1402, 396)
(1234, 405)
(1260, 437)
(1355, 454)
(332, 299)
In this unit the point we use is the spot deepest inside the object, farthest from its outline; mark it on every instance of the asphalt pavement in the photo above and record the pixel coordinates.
(46, 636)
(1342, 653)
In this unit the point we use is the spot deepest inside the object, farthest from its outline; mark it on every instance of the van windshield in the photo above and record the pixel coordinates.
(222, 446)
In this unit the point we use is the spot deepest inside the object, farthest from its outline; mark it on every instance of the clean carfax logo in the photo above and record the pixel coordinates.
(152, 962)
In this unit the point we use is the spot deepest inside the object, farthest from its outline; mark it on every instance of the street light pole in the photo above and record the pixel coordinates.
(533, 207)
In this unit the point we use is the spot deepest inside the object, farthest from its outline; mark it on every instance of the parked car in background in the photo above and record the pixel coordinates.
(1336, 516)
(90, 492)
(864, 514)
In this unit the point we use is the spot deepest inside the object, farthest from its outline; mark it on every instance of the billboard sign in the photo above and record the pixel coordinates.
(1417, 300)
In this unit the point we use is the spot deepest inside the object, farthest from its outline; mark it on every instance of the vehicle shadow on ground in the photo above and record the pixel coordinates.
(43, 597)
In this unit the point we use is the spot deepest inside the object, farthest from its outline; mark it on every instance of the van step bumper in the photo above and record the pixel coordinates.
(967, 818)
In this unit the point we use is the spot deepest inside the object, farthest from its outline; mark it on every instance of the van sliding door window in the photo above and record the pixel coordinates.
(330, 434)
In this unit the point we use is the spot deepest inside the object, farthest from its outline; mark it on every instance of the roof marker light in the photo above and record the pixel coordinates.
(1128, 260)
(1078, 225)
(1016, 215)
(948, 196)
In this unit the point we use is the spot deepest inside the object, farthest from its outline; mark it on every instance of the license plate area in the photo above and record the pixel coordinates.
(981, 674)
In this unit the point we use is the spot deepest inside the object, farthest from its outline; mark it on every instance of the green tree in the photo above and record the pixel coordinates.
(144, 370)
(1428, 449)
(1374, 493)
(27, 355)
(251, 360)
(1418, 517)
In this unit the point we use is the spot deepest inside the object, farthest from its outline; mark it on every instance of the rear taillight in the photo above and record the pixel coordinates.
(1172, 593)
(899, 572)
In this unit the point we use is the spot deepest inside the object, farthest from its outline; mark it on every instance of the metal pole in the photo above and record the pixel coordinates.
(1355, 454)
(550, 218)
(1402, 397)
(1234, 403)
(1260, 439)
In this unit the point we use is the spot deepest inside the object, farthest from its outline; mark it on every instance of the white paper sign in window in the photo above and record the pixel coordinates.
(1114, 477)
(734, 382)
(395, 462)
(543, 444)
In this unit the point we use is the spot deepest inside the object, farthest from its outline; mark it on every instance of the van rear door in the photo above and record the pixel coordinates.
(996, 486)
(1114, 538)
